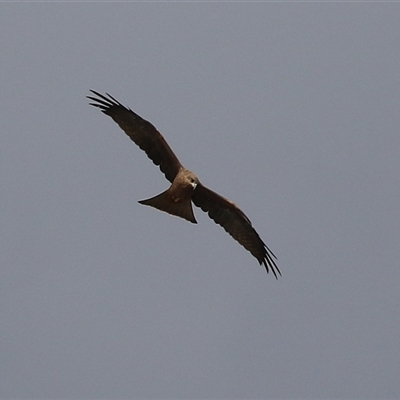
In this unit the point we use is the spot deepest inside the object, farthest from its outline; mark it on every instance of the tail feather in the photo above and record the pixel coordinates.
(163, 202)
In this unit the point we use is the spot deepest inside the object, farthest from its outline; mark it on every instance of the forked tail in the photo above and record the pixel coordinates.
(164, 202)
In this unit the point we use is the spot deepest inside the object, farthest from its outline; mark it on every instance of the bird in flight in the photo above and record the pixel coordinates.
(185, 186)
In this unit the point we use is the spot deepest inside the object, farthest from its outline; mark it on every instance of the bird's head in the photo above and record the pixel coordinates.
(191, 179)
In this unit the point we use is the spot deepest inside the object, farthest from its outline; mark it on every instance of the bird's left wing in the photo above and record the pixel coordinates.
(236, 223)
(142, 132)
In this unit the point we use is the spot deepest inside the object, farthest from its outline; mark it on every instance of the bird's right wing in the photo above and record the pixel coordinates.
(142, 132)
(235, 222)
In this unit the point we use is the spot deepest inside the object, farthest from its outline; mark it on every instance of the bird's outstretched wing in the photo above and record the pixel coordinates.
(235, 222)
(142, 132)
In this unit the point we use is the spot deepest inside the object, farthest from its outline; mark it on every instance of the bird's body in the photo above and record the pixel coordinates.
(185, 186)
(177, 199)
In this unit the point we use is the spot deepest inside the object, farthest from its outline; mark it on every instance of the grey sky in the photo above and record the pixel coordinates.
(290, 110)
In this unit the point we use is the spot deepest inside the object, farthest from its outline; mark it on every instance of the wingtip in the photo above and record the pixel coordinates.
(269, 264)
(105, 102)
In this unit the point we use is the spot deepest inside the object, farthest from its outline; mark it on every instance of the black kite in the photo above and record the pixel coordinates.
(185, 186)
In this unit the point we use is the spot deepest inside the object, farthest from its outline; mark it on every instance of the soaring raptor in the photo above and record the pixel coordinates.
(185, 186)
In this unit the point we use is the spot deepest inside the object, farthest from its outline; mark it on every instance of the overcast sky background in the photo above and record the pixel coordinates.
(290, 110)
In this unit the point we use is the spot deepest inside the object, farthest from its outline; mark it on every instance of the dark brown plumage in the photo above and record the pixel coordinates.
(185, 186)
